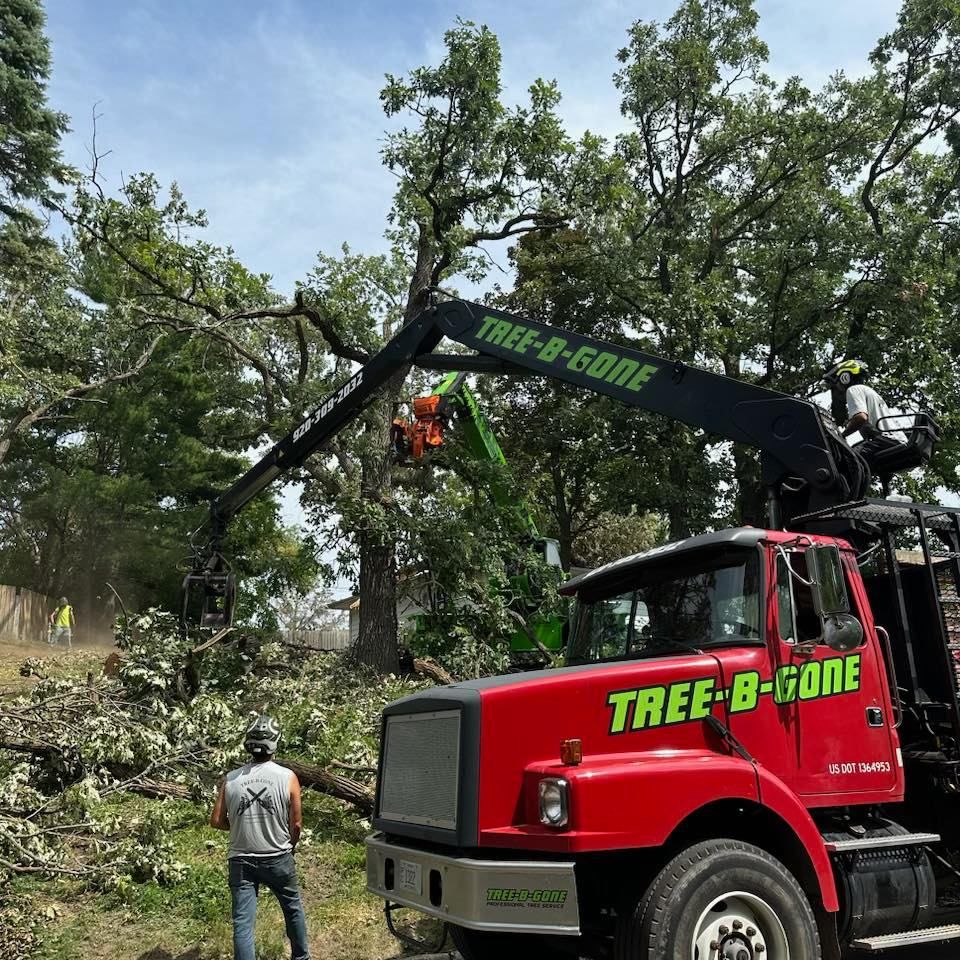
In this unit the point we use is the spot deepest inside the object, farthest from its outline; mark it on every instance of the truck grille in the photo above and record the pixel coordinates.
(421, 768)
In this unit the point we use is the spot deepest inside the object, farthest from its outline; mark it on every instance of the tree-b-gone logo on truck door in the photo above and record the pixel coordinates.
(605, 365)
(642, 708)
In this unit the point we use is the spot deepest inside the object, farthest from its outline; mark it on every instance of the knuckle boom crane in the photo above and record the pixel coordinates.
(806, 464)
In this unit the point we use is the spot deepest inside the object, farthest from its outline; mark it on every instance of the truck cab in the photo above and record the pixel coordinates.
(717, 772)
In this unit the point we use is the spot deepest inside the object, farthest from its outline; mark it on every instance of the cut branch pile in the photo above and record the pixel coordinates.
(73, 748)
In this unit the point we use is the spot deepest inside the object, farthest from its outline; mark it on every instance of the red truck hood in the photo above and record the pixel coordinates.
(524, 718)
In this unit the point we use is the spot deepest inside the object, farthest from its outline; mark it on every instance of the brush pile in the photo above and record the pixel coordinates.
(165, 722)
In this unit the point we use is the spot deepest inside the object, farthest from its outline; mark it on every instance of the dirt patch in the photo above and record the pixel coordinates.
(11, 656)
(57, 662)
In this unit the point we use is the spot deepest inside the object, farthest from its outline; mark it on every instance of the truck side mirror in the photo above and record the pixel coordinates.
(841, 630)
(828, 585)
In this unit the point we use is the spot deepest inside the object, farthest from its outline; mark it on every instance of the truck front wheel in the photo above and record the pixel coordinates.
(720, 900)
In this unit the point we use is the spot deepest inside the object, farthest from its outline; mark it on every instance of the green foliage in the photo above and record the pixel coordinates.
(613, 535)
(471, 163)
(29, 130)
(134, 475)
(17, 925)
(584, 456)
(754, 227)
(473, 569)
(119, 421)
(759, 230)
(140, 725)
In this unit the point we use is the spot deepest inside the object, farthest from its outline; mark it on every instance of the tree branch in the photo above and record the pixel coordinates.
(28, 417)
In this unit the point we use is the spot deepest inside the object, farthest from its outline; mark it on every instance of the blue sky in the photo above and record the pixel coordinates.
(267, 114)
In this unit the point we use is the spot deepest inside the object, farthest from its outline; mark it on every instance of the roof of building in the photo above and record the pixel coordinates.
(345, 603)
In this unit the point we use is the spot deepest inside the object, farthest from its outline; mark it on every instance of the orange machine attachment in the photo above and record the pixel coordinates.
(426, 431)
(428, 427)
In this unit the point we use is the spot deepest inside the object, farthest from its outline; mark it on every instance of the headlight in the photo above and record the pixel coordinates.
(554, 802)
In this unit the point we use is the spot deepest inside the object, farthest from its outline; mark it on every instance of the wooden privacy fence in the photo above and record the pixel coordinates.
(23, 615)
(333, 638)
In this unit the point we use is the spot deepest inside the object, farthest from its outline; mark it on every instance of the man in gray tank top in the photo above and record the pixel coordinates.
(259, 803)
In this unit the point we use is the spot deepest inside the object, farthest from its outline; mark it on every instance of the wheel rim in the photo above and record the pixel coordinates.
(740, 926)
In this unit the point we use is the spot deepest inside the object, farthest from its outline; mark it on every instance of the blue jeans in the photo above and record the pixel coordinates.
(279, 875)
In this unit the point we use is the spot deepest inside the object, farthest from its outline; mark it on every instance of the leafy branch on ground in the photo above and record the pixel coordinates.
(74, 746)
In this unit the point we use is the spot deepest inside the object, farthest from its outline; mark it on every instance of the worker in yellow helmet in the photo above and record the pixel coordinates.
(62, 621)
(867, 412)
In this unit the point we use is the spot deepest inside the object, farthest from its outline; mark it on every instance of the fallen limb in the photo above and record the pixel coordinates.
(159, 789)
(430, 668)
(352, 768)
(316, 778)
(45, 868)
(343, 788)
(33, 747)
(90, 739)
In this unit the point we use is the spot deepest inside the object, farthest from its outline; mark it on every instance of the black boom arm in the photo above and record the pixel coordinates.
(792, 436)
(795, 441)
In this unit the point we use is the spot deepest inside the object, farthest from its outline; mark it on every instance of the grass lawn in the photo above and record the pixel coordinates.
(191, 921)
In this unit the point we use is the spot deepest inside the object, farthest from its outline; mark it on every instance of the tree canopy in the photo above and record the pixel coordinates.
(30, 130)
(754, 227)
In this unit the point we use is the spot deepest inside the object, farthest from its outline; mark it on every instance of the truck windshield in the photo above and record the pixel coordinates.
(706, 600)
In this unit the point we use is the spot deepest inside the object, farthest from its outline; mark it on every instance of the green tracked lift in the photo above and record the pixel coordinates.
(453, 400)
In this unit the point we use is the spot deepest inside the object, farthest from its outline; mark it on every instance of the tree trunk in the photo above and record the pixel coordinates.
(343, 788)
(679, 481)
(561, 512)
(751, 497)
(160, 789)
(377, 642)
(376, 645)
(428, 667)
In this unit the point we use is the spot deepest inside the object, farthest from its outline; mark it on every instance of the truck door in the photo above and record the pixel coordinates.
(822, 721)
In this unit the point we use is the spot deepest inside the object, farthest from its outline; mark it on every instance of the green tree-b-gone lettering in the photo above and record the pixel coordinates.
(659, 705)
(605, 365)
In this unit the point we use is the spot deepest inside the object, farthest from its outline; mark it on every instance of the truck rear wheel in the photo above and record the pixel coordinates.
(720, 900)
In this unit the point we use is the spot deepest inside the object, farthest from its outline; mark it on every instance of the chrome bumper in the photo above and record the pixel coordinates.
(519, 896)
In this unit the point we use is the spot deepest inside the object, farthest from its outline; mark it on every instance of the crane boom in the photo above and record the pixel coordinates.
(795, 440)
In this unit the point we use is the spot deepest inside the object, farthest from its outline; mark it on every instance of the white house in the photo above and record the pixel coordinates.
(411, 601)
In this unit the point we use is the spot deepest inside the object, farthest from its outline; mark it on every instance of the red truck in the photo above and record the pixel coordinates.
(754, 751)
(727, 769)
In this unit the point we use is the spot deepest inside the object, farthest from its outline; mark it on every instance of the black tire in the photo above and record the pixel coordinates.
(697, 890)
(480, 945)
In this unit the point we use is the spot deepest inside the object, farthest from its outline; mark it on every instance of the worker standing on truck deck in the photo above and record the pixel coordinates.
(867, 412)
(259, 803)
(62, 621)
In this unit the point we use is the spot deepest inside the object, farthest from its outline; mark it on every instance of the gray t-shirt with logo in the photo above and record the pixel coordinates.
(257, 798)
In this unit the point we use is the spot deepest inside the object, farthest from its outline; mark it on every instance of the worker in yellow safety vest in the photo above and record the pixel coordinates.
(62, 622)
